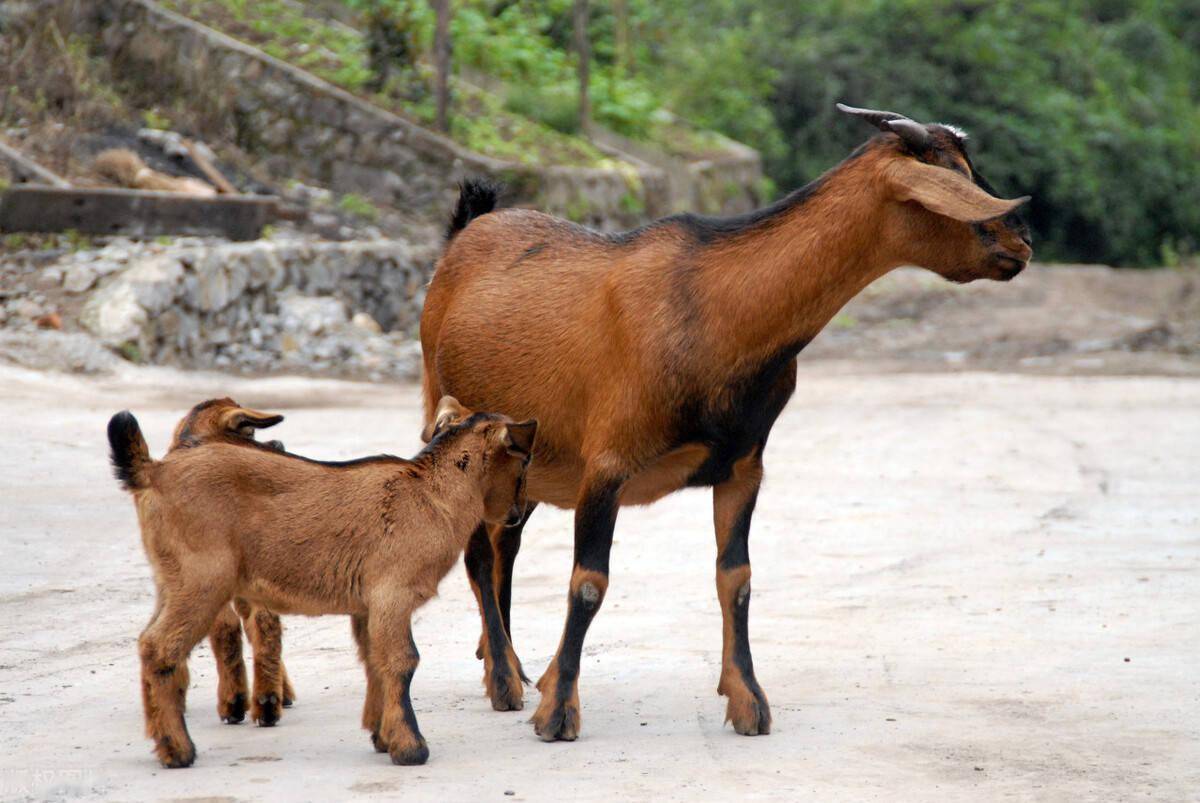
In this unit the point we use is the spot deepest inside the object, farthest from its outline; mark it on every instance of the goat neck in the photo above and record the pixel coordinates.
(774, 286)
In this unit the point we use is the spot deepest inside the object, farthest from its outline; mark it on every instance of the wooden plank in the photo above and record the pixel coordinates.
(209, 170)
(134, 213)
(25, 169)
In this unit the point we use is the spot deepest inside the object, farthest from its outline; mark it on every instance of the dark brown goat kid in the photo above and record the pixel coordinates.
(225, 421)
(370, 538)
(659, 359)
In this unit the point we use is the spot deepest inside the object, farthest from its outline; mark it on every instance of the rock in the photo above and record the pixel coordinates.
(80, 278)
(212, 290)
(366, 323)
(50, 277)
(114, 315)
(155, 281)
(25, 310)
(263, 268)
(47, 349)
(311, 314)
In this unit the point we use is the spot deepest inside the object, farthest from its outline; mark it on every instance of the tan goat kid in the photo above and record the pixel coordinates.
(225, 421)
(370, 538)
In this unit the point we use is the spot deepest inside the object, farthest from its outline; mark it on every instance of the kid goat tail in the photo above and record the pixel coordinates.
(476, 197)
(130, 455)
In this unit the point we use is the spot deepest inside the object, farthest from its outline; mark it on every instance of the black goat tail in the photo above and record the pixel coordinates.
(130, 455)
(476, 197)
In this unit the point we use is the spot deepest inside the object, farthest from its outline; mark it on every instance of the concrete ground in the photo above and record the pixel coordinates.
(967, 587)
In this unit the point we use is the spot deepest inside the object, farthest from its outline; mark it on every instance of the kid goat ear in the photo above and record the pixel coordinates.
(518, 438)
(245, 417)
(448, 412)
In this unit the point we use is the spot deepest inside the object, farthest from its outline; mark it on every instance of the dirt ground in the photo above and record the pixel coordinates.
(968, 586)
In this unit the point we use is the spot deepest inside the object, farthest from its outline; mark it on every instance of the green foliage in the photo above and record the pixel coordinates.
(358, 206)
(131, 351)
(1091, 106)
(156, 120)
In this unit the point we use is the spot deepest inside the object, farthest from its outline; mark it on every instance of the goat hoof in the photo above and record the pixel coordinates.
(750, 715)
(233, 712)
(269, 710)
(556, 722)
(505, 691)
(175, 758)
(411, 757)
(379, 744)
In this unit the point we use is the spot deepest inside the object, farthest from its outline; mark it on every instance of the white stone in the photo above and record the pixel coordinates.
(311, 314)
(156, 281)
(365, 322)
(114, 315)
(80, 278)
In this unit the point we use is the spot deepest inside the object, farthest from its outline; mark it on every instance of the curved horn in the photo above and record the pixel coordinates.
(877, 118)
(913, 133)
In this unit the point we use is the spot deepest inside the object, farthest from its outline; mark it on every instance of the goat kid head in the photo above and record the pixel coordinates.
(489, 440)
(222, 420)
(945, 215)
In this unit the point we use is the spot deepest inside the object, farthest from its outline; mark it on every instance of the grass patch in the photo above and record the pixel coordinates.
(358, 206)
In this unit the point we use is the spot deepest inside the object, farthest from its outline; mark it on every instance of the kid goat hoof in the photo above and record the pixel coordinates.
(174, 758)
(269, 710)
(411, 757)
(235, 710)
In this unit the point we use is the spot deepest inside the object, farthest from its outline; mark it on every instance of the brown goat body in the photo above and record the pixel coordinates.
(367, 538)
(659, 359)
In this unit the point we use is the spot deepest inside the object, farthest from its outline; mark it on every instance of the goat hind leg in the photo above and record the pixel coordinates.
(163, 649)
(225, 638)
(372, 716)
(266, 635)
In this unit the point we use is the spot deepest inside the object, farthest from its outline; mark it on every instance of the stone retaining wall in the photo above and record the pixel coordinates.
(332, 308)
(313, 131)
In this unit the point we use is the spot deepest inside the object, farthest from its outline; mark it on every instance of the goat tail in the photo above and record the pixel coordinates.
(476, 197)
(130, 455)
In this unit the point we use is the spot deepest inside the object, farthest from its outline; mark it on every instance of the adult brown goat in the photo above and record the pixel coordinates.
(660, 358)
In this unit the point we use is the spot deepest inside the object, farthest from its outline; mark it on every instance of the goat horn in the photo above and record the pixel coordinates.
(877, 118)
(913, 133)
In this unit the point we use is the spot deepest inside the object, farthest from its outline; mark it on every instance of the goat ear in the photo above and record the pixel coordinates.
(945, 192)
(448, 412)
(240, 417)
(519, 438)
